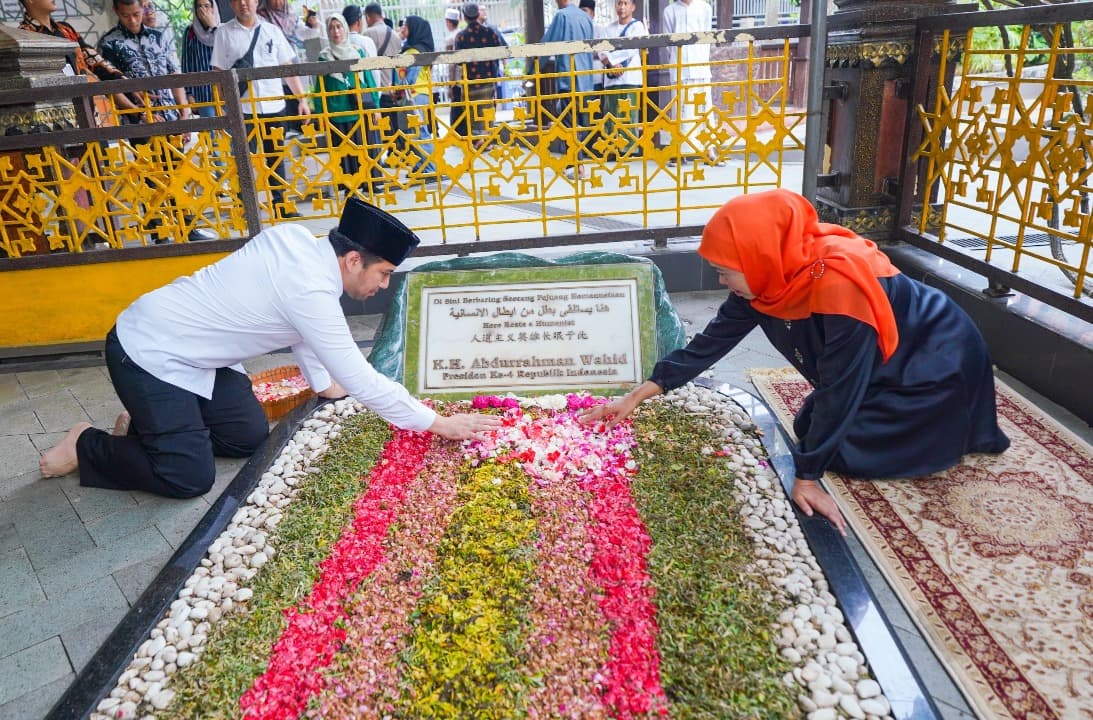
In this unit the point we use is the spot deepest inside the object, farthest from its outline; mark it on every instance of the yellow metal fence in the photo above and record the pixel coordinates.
(1007, 145)
(456, 168)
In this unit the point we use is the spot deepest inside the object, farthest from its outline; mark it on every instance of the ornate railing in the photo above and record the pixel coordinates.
(650, 166)
(1004, 147)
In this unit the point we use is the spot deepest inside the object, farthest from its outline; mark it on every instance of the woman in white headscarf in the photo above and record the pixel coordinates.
(296, 30)
(344, 99)
(197, 49)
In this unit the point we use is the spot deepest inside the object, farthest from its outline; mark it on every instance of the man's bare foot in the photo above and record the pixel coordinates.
(121, 425)
(61, 459)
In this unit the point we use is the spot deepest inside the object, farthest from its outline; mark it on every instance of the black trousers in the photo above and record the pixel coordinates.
(459, 121)
(350, 163)
(272, 150)
(344, 134)
(173, 434)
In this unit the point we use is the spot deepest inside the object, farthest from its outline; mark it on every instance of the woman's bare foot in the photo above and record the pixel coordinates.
(121, 425)
(61, 458)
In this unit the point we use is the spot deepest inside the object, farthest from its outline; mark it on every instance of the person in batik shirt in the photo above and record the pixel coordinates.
(85, 60)
(141, 51)
(480, 92)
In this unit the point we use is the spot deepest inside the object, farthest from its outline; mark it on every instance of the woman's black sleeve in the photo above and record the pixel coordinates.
(733, 321)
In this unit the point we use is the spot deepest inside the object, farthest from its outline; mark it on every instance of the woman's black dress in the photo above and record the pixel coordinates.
(918, 413)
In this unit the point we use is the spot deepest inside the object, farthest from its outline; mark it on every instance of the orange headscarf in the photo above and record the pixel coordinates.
(797, 266)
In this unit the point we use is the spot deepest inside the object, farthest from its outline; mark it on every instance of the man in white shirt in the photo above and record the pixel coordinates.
(271, 47)
(174, 355)
(624, 78)
(689, 69)
(354, 19)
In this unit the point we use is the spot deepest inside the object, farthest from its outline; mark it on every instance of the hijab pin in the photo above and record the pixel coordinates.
(817, 270)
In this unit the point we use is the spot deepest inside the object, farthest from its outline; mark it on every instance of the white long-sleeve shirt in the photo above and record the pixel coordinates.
(695, 16)
(633, 76)
(281, 289)
(231, 42)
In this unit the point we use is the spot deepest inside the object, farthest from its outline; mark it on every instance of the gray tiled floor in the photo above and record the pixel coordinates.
(73, 560)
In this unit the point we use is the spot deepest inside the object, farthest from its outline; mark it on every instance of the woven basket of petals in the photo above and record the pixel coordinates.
(280, 389)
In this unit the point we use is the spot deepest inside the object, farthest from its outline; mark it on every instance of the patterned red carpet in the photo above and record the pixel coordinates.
(993, 558)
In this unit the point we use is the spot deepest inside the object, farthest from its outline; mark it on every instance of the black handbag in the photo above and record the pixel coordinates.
(247, 61)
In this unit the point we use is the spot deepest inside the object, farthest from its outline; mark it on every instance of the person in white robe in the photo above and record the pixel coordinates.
(174, 356)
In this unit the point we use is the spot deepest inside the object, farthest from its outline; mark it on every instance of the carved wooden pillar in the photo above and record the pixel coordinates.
(868, 76)
(30, 60)
(534, 21)
(723, 11)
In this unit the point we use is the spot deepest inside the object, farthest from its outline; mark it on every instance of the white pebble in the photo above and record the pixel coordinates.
(791, 655)
(108, 704)
(849, 705)
(867, 688)
(824, 699)
(876, 706)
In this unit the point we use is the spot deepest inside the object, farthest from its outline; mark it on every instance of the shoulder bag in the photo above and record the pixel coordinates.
(247, 60)
(617, 70)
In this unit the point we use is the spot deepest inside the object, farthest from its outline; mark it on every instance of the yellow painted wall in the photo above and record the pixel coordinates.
(79, 303)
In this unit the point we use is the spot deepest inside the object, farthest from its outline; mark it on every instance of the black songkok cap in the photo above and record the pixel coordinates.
(590, 4)
(351, 13)
(377, 231)
(470, 11)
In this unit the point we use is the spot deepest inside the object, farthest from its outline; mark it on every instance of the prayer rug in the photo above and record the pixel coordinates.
(993, 558)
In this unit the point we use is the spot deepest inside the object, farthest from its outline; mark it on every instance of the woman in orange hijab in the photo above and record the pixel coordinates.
(902, 379)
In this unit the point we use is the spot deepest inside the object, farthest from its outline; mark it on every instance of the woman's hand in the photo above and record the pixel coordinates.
(614, 412)
(334, 392)
(810, 497)
(620, 408)
(463, 426)
(206, 15)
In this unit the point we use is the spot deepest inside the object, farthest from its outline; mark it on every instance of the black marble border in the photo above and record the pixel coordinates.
(100, 675)
(882, 649)
(886, 656)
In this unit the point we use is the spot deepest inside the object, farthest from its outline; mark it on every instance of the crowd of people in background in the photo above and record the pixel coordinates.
(266, 33)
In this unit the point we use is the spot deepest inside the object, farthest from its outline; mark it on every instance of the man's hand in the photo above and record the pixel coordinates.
(186, 114)
(810, 497)
(334, 392)
(464, 425)
(297, 87)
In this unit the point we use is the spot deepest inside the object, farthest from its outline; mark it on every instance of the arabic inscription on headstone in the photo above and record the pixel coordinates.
(581, 334)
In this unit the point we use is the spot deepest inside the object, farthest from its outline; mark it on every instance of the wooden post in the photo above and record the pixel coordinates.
(32, 60)
(869, 63)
